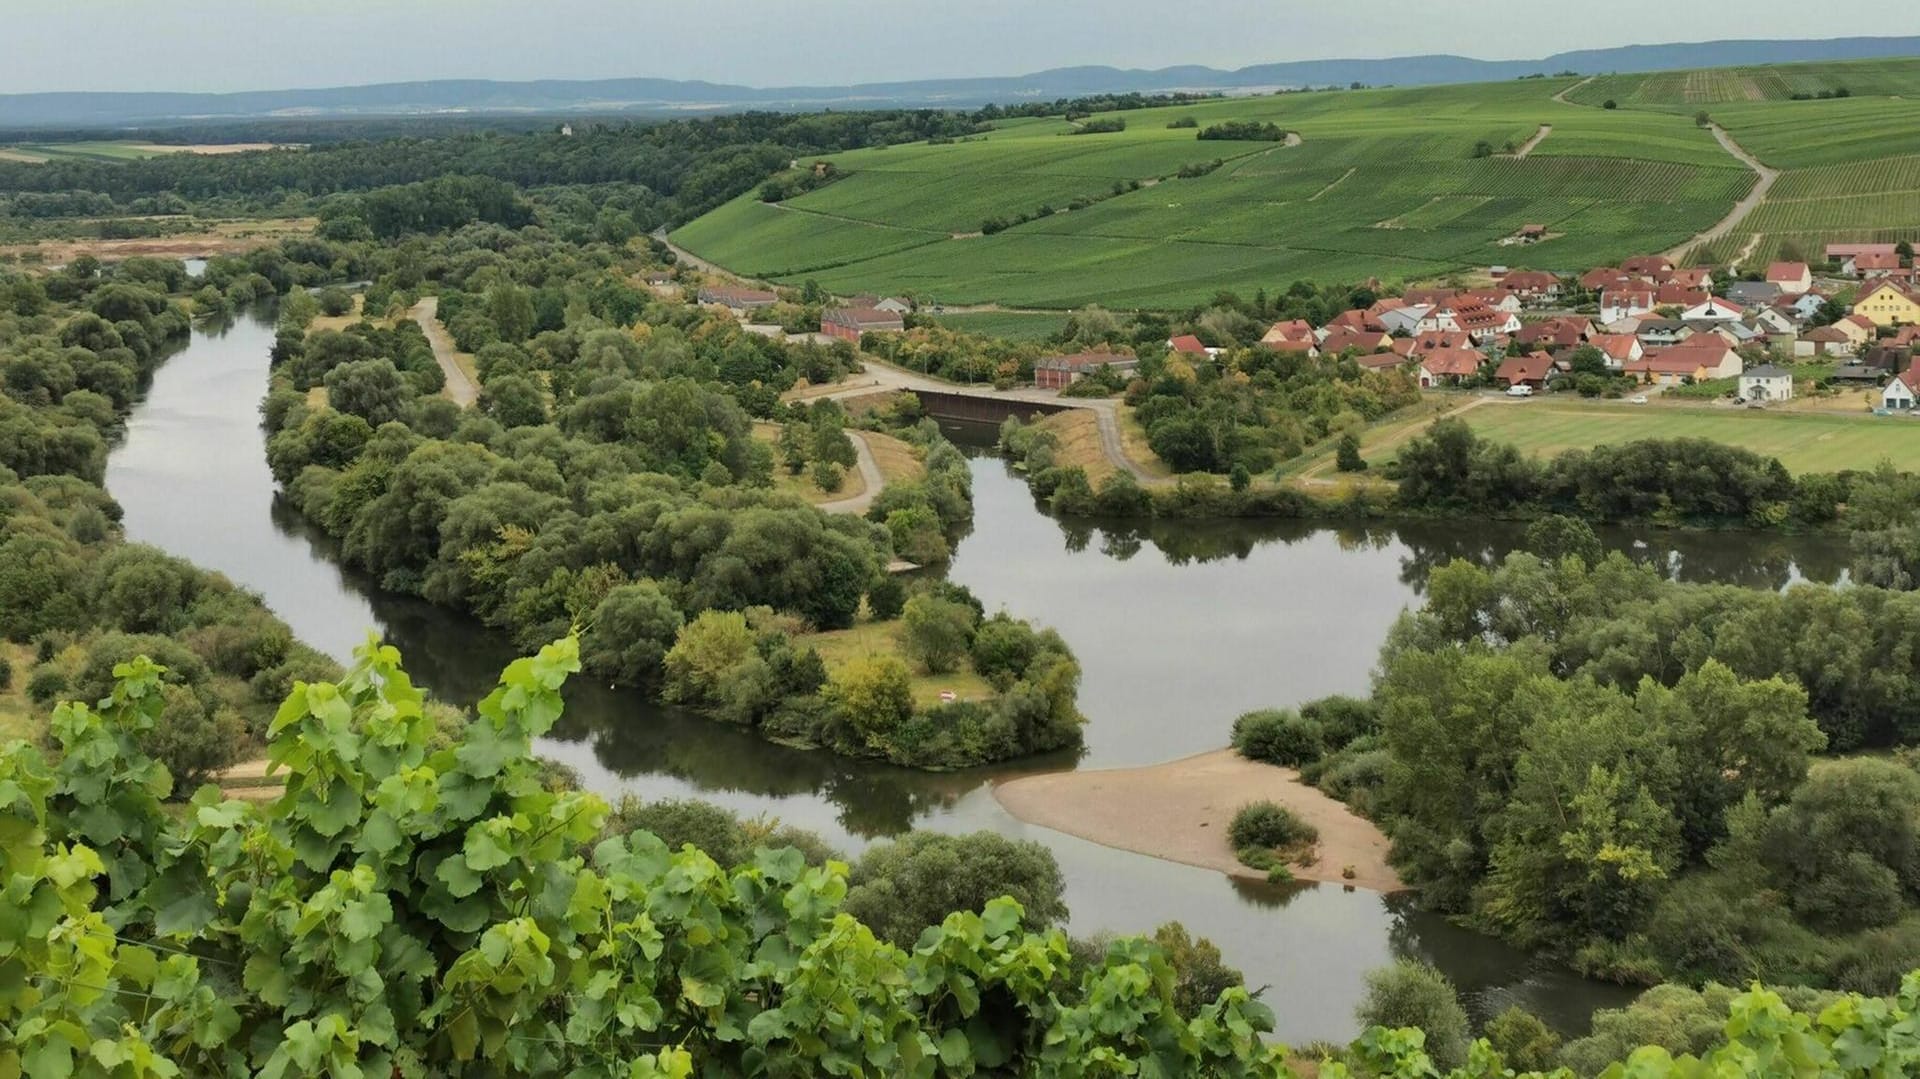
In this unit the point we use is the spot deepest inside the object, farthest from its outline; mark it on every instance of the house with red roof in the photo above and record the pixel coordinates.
(1871, 264)
(1355, 319)
(1692, 277)
(1713, 309)
(1529, 370)
(1448, 366)
(1620, 349)
(1298, 329)
(1534, 287)
(1380, 361)
(1503, 300)
(1601, 277)
(1434, 340)
(1361, 342)
(1824, 341)
(1648, 265)
(736, 299)
(1886, 303)
(1188, 345)
(1555, 334)
(1477, 320)
(1630, 302)
(848, 323)
(1841, 252)
(1428, 297)
(1903, 393)
(1699, 358)
(1308, 348)
(1792, 277)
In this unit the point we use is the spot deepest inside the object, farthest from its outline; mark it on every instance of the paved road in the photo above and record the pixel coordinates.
(459, 389)
(869, 473)
(1742, 208)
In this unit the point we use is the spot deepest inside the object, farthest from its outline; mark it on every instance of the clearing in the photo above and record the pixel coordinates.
(1180, 811)
(840, 647)
(199, 239)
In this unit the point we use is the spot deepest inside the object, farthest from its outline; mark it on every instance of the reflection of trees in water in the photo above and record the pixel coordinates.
(1259, 893)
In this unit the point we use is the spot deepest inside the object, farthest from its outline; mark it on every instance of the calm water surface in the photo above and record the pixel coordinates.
(1179, 627)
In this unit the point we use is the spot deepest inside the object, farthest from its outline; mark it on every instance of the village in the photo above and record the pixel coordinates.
(1851, 324)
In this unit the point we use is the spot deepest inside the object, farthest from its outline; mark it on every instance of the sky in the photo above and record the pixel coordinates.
(221, 45)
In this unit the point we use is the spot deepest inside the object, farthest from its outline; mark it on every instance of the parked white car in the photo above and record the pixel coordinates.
(1519, 389)
(1637, 399)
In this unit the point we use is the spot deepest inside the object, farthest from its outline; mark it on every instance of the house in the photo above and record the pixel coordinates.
(893, 304)
(1404, 319)
(1872, 264)
(1675, 366)
(1824, 341)
(1427, 297)
(1298, 329)
(1791, 277)
(1059, 372)
(1532, 234)
(1844, 251)
(1859, 374)
(1380, 361)
(1355, 320)
(1691, 277)
(1716, 356)
(1806, 307)
(1887, 360)
(1648, 265)
(1620, 349)
(1554, 333)
(848, 323)
(1769, 321)
(1435, 340)
(1767, 383)
(1753, 293)
(1887, 304)
(1505, 301)
(1713, 309)
(657, 277)
(1534, 287)
(1447, 366)
(1497, 272)
(1361, 342)
(1308, 348)
(1619, 303)
(1674, 294)
(1481, 322)
(1901, 393)
(1602, 277)
(1662, 332)
(1529, 370)
(736, 299)
(1188, 345)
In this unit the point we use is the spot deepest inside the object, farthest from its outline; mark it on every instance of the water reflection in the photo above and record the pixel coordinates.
(1179, 627)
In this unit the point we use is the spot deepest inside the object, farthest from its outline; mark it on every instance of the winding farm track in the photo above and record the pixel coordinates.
(1742, 208)
(459, 389)
(1561, 97)
(869, 473)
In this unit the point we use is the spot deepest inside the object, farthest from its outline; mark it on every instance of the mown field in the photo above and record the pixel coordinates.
(1401, 184)
(1803, 441)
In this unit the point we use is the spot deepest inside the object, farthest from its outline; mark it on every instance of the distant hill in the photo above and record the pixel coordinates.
(558, 96)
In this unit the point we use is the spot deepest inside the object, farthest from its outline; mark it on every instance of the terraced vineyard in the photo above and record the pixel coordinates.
(1399, 184)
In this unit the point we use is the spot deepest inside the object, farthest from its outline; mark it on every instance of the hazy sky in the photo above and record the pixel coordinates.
(278, 44)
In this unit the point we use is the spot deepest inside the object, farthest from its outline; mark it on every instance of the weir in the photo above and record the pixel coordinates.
(946, 405)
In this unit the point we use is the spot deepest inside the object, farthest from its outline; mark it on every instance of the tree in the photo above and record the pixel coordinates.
(511, 309)
(936, 633)
(1610, 104)
(1413, 994)
(1199, 972)
(373, 390)
(875, 695)
(1347, 454)
(335, 301)
(1557, 536)
(901, 888)
(514, 400)
(627, 637)
(1522, 1040)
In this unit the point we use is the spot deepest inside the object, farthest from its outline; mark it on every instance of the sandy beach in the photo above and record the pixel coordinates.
(1180, 811)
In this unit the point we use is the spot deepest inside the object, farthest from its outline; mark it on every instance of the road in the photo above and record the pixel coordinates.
(1561, 97)
(1742, 208)
(1527, 147)
(459, 389)
(881, 377)
(869, 472)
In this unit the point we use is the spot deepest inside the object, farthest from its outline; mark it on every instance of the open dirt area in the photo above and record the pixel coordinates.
(1180, 810)
(221, 238)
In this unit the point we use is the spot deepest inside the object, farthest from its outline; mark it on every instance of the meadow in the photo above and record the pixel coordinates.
(1803, 441)
(1011, 325)
(1403, 185)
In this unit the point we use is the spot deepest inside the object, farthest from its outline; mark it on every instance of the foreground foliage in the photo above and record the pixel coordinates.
(408, 910)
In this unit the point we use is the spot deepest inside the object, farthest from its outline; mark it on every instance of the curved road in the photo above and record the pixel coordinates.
(459, 389)
(869, 473)
(1742, 208)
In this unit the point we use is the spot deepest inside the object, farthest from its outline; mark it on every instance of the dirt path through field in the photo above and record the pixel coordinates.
(1742, 208)
(1344, 177)
(460, 388)
(1561, 97)
(1180, 811)
(1527, 147)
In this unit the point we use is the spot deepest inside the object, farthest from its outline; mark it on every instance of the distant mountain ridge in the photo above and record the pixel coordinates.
(562, 96)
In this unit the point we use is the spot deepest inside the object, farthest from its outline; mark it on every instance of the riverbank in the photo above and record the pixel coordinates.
(1179, 811)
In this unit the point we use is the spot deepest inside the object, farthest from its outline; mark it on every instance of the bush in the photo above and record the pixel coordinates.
(1347, 457)
(46, 684)
(937, 633)
(1342, 718)
(1524, 1043)
(6, 673)
(1279, 737)
(886, 598)
(1268, 826)
(900, 888)
(828, 476)
(1413, 994)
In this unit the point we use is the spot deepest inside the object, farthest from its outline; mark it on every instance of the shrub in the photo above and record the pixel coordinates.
(6, 673)
(1413, 994)
(900, 888)
(1347, 457)
(828, 476)
(1268, 826)
(886, 598)
(938, 633)
(46, 684)
(1198, 972)
(1279, 737)
(1342, 718)
(1524, 1043)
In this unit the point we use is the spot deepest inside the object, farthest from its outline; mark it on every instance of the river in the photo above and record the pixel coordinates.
(1179, 627)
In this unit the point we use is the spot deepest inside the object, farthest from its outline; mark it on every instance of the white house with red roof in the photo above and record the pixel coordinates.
(1620, 349)
(1447, 366)
(1714, 309)
(1535, 287)
(1902, 394)
(1188, 345)
(1298, 329)
(1793, 278)
(1872, 264)
(1619, 303)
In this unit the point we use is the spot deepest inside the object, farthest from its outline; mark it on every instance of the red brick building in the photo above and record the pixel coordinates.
(1059, 372)
(848, 323)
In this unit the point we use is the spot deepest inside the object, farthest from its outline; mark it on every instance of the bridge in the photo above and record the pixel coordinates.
(983, 408)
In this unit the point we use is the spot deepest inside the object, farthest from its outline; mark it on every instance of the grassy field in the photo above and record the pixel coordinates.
(1012, 325)
(1803, 441)
(1392, 183)
(840, 647)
